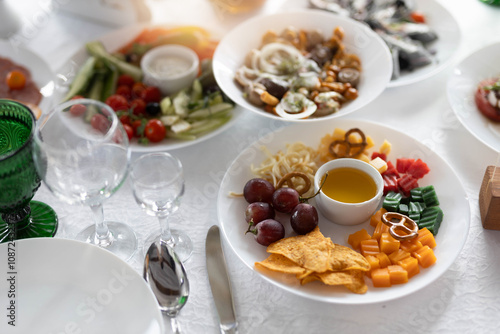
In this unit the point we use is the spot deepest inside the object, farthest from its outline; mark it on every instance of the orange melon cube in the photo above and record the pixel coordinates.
(374, 264)
(410, 264)
(426, 237)
(379, 229)
(398, 256)
(383, 260)
(411, 245)
(369, 247)
(425, 256)
(397, 274)
(355, 239)
(381, 278)
(388, 244)
(377, 217)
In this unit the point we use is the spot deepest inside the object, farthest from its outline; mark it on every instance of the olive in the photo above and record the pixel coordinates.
(349, 75)
(274, 87)
(153, 108)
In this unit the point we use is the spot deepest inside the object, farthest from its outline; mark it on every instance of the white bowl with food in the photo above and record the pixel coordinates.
(351, 192)
(305, 65)
(170, 67)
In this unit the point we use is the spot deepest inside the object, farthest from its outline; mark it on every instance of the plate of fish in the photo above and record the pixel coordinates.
(302, 65)
(422, 35)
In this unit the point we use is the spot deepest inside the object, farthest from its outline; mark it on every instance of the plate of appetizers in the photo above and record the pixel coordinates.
(423, 36)
(111, 69)
(288, 256)
(473, 92)
(64, 285)
(302, 65)
(25, 77)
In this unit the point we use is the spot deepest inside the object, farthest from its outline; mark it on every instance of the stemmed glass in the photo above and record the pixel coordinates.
(81, 152)
(157, 181)
(20, 216)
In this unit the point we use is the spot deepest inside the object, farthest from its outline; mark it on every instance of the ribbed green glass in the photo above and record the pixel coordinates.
(19, 180)
(492, 2)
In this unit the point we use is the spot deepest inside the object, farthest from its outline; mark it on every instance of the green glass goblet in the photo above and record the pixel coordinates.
(20, 216)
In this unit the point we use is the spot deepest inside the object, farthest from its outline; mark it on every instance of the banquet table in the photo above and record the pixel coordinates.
(465, 299)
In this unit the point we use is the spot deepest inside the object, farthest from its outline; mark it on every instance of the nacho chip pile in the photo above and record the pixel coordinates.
(312, 257)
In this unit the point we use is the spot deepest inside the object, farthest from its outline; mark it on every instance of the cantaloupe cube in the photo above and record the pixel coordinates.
(379, 229)
(426, 237)
(410, 264)
(411, 245)
(369, 143)
(369, 247)
(355, 239)
(425, 256)
(398, 255)
(374, 264)
(388, 244)
(381, 278)
(397, 274)
(377, 217)
(383, 260)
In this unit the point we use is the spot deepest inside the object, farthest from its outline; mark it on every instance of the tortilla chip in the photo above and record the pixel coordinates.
(344, 258)
(310, 251)
(277, 262)
(351, 279)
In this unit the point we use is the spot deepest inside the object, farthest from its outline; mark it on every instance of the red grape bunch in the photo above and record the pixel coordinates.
(264, 200)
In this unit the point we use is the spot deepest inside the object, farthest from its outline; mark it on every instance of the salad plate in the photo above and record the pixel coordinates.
(461, 87)
(113, 42)
(358, 39)
(452, 196)
(40, 71)
(64, 286)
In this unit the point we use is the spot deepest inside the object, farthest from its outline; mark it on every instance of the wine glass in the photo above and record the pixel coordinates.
(20, 216)
(157, 181)
(82, 154)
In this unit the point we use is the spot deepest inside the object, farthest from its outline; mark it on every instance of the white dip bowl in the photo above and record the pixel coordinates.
(348, 213)
(170, 67)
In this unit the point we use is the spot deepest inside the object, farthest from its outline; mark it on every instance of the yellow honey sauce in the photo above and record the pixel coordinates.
(349, 185)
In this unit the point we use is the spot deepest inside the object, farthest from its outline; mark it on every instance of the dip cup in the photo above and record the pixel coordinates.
(170, 84)
(348, 213)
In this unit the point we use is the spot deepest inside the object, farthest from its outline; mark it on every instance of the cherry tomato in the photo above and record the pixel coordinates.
(138, 107)
(417, 17)
(129, 130)
(77, 109)
(481, 99)
(125, 119)
(124, 91)
(151, 94)
(137, 90)
(155, 130)
(117, 102)
(138, 127)
(15, 79)
(76, 97)
(125, 80)
(100, 123)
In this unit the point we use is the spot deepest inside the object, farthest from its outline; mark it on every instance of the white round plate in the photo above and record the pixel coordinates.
(40, 71)
(66, 286)
(359, 39)
(448, 31)
(453, 201)
(113, 41)
(462, 84)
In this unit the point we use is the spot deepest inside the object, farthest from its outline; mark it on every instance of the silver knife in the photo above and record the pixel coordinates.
(219, 282)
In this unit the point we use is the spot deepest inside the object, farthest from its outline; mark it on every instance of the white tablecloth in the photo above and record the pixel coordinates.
(465, 299)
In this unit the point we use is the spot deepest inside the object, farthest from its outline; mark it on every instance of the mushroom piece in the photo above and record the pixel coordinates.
(328, 103)
(349, 75)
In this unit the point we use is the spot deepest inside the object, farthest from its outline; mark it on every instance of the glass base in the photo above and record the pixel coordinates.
(181, 243)
(123, 239)
(43, 223)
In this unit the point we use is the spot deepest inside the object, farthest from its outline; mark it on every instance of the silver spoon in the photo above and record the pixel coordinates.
(167, 278)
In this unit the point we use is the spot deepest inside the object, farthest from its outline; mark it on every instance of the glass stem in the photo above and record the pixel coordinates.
(102, 236)
(165, 235)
